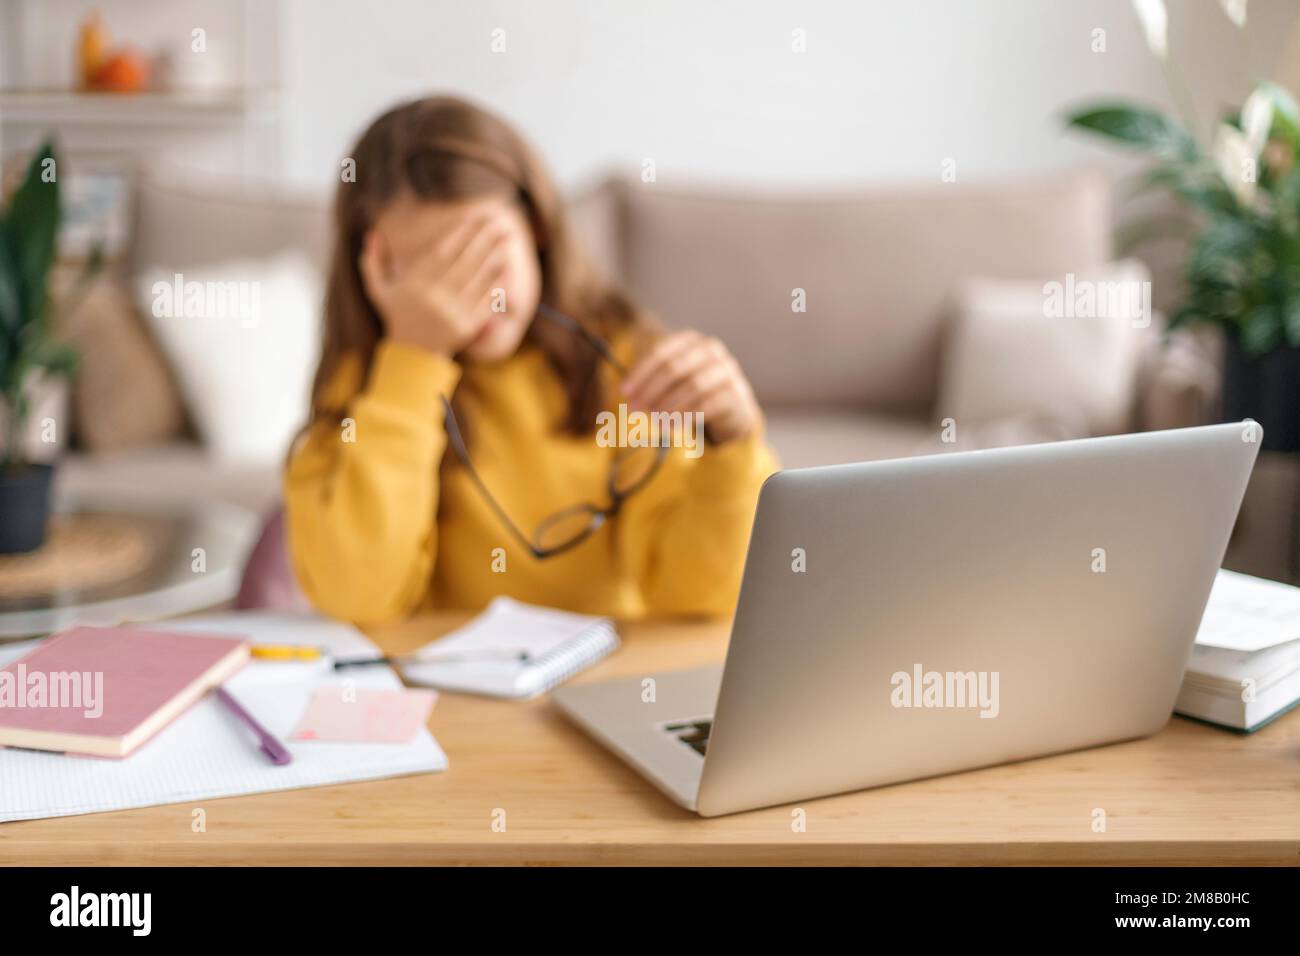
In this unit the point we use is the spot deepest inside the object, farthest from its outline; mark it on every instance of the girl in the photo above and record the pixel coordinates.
(454, 274)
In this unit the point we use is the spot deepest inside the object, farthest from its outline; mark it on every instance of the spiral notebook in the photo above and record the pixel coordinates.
(513, 649)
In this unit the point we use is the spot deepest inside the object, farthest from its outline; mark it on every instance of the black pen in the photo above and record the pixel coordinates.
(486, 655)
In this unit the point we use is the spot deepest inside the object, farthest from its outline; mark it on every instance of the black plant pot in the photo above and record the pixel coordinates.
(24, 507)
(1267, 389)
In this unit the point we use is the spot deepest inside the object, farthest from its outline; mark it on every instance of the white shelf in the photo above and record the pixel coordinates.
(68, 107)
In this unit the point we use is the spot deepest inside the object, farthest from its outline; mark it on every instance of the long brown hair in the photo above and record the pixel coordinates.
(443, 149)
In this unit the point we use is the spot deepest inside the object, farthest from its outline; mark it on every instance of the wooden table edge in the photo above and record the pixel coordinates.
(1100, 853)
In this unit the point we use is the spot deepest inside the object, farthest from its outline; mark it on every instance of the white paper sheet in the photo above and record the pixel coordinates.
(1246, 613)
(206, 753)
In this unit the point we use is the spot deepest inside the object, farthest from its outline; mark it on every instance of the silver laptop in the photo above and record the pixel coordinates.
(902, 619)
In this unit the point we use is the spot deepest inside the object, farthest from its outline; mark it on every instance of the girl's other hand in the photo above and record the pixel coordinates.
(442, 299)
(689, 372)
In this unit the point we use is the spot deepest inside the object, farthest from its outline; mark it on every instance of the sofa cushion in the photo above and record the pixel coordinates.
(876, 268)
(1064, 347)
(243, 338)
(123, 391)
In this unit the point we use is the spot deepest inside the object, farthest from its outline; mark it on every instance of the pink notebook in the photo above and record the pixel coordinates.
(106, 690)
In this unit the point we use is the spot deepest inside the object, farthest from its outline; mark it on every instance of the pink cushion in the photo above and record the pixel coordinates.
(268, 582)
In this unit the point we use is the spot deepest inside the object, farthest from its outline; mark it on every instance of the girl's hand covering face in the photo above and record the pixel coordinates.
(689, 372)
(442, 298)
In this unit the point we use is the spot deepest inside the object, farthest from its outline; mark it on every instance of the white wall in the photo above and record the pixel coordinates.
(713, 91)
(709, 90)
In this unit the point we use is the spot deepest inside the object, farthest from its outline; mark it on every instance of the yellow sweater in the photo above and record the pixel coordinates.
(376, 530)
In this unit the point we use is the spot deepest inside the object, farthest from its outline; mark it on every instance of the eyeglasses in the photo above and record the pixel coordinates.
(631, 471)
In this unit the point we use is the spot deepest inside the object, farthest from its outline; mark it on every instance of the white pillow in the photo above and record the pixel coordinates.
(1065, 348)
(243, 339)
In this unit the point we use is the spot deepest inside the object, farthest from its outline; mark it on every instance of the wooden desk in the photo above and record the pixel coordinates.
(1191, 794)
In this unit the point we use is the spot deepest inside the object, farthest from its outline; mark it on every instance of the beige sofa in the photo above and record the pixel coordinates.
(854, 377)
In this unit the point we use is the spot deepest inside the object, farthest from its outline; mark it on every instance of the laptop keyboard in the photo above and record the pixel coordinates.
(693, 733)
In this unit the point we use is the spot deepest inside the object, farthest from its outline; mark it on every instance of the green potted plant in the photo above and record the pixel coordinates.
(29, 226)
(1243, 267)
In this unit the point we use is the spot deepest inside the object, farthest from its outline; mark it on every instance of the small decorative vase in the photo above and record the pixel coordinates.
(24, 507)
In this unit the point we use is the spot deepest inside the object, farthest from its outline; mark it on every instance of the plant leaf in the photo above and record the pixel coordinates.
(1262, 330)
(10, 296)
(57, 357)
(1286, 114)
(33, 223)
(1222, 249)
(1137, 126)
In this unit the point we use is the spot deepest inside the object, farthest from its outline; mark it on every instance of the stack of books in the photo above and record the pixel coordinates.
(1244, 669)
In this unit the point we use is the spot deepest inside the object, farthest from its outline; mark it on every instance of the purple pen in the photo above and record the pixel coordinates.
(275, 751)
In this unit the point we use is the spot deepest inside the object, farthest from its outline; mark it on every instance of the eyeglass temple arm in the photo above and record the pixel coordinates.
(462, 453)
(559, 318)
(458, 441)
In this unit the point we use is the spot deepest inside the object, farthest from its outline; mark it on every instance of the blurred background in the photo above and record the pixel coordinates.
(883, 91)
(879, 205)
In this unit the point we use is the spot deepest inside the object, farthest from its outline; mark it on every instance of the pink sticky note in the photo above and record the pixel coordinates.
(374, 716)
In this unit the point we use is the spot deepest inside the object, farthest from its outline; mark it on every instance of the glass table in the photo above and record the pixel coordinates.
(157, 558)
